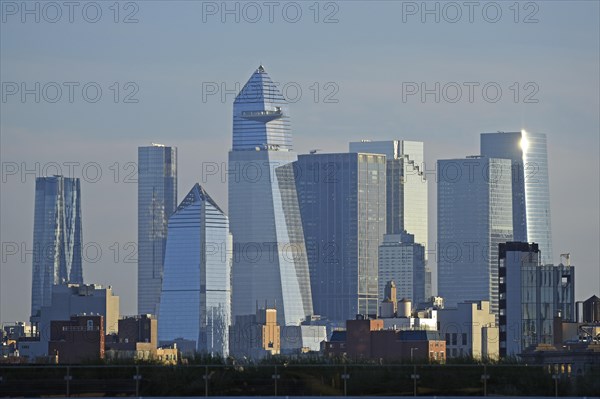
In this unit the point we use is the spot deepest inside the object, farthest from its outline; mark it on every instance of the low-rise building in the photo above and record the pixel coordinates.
(138, 339)
(302, 339)
(368, 339)
(567, 359)
(255, 336)
(69, 300)
(77, 340)
(470, 330)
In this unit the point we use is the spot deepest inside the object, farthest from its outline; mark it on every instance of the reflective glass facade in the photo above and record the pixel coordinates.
(531, 295)
(406, 202)
(195, 302)
(474, 216)
(57, 237)
(157, 200)
(342, 202)
(402, 261)
(270, 266)
(530, 184)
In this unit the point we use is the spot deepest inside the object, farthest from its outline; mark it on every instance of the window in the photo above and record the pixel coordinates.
(90, 325)
(454, 338)
(464, 338)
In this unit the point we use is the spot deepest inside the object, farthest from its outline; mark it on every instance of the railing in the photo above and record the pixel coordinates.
(292, 380)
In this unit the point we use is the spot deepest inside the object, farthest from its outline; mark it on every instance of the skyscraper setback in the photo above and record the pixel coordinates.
(270, 264)
(406, 204)
(157, 200)
(530, 184)
(57, 237)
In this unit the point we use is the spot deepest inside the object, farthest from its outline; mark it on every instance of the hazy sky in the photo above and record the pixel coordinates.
(349, 78)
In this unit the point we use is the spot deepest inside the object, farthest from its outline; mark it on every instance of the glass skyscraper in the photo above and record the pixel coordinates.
(530, 184)
(474, 216)
(342, 202)
(157, 199)
(270, 266)
(402, 261)
(531, 295)
(195, 302)
(57, 237)
(406, 185)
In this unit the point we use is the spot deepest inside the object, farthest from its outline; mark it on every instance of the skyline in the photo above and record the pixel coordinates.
(203, 129)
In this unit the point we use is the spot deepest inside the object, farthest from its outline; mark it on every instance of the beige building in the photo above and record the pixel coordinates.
(255, 336)
(69, 300)
(138, 339)
(470, 330)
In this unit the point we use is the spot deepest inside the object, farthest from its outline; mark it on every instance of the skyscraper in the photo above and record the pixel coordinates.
(474, 216)
(157, 199)
(342, 202)
(530, 184)
(270, 263)
(531, 295)
(406, 204)
(403, 261)
(195, 302)
(57, 237)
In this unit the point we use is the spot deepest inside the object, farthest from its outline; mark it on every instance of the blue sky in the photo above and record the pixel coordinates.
(363, 61)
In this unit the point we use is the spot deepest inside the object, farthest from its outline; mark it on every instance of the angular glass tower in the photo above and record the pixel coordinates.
(474, 216)
(195, 302)
(530, 184)
(342, 203)
(406, 185)
(57, 237)
(157, 200)
(270, 264)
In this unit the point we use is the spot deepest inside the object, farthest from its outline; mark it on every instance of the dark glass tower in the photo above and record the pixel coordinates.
(157, 200)
(57, 237)
(343, 206)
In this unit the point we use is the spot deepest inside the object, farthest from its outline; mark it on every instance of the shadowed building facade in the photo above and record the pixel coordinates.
(532, 295)
(342, 202)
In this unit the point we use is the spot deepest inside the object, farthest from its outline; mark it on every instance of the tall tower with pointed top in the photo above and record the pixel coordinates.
(195, 301)
(270, 263)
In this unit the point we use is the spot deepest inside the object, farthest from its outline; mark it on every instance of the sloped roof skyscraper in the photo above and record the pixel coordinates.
(270, 264)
